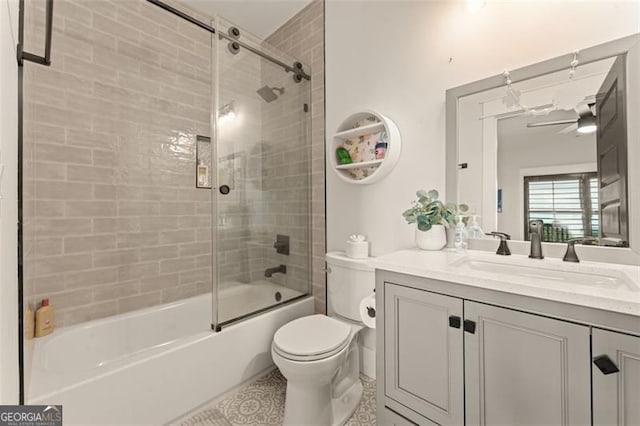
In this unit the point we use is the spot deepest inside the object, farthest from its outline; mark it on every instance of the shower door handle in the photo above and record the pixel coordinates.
(224, 189)
(26, 56)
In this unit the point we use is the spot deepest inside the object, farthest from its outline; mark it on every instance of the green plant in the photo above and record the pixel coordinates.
(427, 211)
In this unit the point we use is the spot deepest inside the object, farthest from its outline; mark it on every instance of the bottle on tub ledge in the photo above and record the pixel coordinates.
(45, 319)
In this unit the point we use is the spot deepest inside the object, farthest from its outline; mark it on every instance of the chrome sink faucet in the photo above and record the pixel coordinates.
(503, 248)
(535, 232)
(571, 255)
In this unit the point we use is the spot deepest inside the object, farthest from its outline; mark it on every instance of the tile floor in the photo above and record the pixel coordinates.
(262, 404)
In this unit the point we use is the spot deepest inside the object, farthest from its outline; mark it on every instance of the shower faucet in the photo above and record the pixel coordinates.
(282, 244)
(278, 269)
(268, 93)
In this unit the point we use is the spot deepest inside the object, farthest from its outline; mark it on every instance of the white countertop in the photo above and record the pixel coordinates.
(621, 294)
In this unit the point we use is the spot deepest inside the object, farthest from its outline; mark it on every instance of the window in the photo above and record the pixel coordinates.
(567, 204)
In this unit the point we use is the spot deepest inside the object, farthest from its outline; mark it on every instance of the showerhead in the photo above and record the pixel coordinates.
(267, 93)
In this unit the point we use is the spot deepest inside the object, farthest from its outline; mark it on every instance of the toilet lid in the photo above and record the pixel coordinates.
(311, 336)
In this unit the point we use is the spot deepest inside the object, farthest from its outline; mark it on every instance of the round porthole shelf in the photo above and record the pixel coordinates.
(364, 135)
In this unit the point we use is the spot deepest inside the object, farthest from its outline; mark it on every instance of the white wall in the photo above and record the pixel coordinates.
(399, 57)
(8, 203)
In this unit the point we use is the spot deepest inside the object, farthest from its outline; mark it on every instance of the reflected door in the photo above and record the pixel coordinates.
(612, 156)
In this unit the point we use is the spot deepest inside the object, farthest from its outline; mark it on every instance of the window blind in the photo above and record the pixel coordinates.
(567, 204)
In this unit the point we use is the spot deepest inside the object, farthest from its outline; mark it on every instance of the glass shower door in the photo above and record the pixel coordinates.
(262, 192)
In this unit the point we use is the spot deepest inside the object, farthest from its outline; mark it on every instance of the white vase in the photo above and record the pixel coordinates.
(433, 239)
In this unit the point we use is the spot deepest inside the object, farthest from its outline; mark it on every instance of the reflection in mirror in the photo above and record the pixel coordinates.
(550, 147)
(547, 166)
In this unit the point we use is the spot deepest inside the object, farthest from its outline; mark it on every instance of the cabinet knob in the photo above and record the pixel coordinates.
(604, 363)
(454, 321)
(470, 326)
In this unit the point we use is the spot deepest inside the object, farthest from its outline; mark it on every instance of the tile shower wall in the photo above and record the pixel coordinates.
(302, 37)
(113, 221)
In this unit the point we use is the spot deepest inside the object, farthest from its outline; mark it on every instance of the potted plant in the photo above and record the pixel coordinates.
(431, 217)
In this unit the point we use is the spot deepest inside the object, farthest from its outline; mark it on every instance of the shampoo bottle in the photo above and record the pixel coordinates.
(203, 175)
(45, 319)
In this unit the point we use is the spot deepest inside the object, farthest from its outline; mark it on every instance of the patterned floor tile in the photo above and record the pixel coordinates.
(365, 414)
(262, 404)
(209, 417)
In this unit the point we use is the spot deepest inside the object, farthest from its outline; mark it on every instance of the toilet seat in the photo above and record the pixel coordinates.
(311, 338)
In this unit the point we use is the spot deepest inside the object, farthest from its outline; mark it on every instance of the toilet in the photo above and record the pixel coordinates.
(319, 355)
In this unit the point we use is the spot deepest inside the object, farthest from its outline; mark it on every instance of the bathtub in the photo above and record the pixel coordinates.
(154, 365)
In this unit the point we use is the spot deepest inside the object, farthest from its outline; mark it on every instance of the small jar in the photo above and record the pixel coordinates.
(381, 150)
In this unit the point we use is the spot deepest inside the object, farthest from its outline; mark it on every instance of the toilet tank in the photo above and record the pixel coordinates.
(348, 282)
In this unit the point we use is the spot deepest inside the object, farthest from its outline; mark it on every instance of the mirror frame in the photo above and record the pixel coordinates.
(592, 54)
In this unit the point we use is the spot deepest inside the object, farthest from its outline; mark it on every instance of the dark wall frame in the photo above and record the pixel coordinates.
(22, 56)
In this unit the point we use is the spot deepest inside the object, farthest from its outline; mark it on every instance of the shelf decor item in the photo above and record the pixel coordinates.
(431, 217)
(371, 141)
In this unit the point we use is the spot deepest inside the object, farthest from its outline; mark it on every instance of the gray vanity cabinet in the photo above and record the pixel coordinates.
(616, 378)
(452, 361)
(525, 369)
(423, 353)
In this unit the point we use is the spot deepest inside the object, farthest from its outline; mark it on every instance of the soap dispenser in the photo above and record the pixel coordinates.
(475, 230)
(460, 240)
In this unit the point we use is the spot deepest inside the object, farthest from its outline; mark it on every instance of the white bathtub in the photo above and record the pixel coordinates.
(154, 365)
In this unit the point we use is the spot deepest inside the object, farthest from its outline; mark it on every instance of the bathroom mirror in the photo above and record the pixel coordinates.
(557, 140)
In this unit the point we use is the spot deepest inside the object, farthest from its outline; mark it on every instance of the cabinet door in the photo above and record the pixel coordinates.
(524, 369)
(423, 353)
(616, 394)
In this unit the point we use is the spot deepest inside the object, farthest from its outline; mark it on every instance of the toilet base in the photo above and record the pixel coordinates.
(305, 406)
(346, 404)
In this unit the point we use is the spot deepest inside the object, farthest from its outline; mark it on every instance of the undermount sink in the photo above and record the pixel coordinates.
(549, 271)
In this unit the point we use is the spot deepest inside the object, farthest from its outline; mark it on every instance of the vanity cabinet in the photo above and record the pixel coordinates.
(616, 378)
(525, 369)
(423, 353)
(453, 361)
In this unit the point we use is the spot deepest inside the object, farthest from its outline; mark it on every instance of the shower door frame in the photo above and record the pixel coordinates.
(299, 74)
(45, 60)
(298, 69)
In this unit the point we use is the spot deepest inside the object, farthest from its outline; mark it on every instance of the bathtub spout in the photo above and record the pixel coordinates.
(270, 271)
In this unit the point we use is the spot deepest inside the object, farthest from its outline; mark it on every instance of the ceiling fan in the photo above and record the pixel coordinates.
(584, 123)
